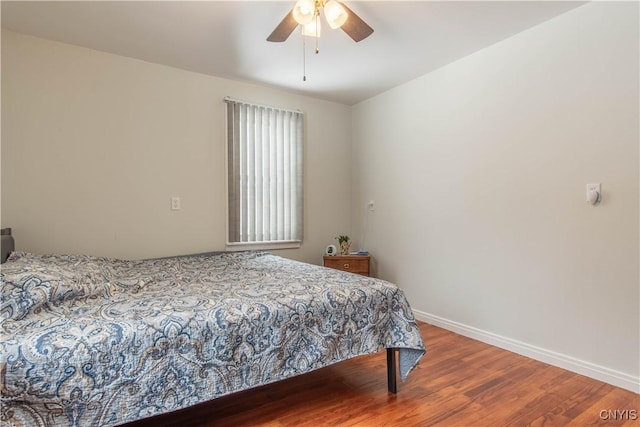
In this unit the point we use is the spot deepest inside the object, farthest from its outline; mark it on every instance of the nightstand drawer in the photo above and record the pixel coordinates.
(358, 264)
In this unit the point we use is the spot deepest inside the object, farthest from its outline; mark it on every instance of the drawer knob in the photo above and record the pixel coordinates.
(346, 266)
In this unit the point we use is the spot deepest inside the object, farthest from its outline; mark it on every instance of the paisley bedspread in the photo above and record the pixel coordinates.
(92, 341)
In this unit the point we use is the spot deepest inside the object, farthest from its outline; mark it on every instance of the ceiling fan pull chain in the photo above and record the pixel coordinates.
(304, 61)
(317, 35)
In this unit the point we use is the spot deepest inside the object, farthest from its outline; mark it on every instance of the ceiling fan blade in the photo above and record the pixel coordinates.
(284, 29)
(355, 27)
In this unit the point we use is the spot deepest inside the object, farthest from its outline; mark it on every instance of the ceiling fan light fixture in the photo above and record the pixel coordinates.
(312, 28)
(335, 14)
(304, 11)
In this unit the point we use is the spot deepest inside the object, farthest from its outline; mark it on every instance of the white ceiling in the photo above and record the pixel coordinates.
(228, 38)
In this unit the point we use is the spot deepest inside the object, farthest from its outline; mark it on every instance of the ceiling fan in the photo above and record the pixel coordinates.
(307, 13)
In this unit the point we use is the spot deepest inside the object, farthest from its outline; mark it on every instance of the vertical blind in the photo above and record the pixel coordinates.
(264, 149)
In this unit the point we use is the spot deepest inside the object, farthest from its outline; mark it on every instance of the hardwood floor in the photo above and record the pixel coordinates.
(459, 382)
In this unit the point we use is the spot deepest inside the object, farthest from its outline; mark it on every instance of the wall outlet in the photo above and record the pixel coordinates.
(175, 203)
(371, 205)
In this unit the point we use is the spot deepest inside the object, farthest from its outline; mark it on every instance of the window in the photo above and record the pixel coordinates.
(264, 176)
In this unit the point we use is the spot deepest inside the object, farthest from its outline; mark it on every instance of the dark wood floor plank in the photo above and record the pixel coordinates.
(459, 382)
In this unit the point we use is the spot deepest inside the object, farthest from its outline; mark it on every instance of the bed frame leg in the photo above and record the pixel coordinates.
(391, 370)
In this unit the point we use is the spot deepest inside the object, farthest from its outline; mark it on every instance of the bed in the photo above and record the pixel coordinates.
(90, 341)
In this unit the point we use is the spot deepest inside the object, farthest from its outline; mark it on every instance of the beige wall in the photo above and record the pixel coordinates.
(94, 146)
(478, 171)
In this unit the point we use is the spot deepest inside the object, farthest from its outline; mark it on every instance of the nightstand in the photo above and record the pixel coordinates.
(358, 264)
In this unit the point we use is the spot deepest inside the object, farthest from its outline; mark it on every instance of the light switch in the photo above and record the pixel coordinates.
(175, 203)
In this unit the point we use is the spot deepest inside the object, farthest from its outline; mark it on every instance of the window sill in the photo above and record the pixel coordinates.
(251, 246)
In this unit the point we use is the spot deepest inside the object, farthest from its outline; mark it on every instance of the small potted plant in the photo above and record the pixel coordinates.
(345, 243)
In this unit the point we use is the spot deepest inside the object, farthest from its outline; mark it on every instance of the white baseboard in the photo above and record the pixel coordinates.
(609, 376)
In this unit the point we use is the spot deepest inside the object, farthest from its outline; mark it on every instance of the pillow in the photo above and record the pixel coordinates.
(23, 295)
(31, 282)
